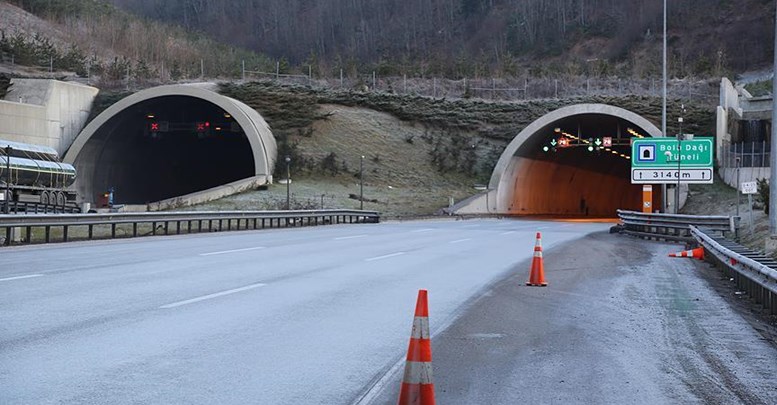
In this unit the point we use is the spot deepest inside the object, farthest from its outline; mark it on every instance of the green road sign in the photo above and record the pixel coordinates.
(665, 160)
(664, 153)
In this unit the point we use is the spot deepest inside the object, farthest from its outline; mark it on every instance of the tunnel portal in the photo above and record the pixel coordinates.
(572, 162)
(170, 141)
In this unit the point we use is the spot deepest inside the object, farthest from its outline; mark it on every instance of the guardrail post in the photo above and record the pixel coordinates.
(113, 230)
(64, 233)
(48, 234)
(91, 231)
(166, 227)
(29, 234)
(262, 223)
(134, 229)
(8, 235)
(188, 226)
(221, 222)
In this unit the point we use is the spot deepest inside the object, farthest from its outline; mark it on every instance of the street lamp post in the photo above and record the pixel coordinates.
(288, 183)
(736, 159)
(361, 182)
(679, 161)
(663, 101)
(7, 198)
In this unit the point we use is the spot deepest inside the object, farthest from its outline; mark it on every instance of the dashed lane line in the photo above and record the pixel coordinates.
(232, 251)
(211, 296)
(21, 277)
(384, 256)
(350, 237)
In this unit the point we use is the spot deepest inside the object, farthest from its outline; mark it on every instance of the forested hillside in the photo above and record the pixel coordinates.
(480, 37)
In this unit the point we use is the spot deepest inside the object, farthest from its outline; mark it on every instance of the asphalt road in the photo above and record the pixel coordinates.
(619, 323)
(295, 316)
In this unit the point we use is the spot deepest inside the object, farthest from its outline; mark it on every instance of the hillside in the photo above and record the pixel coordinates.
(90, 40)
(472, 38)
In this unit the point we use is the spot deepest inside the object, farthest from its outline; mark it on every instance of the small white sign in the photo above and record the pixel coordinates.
(749, 187)
(669, 176)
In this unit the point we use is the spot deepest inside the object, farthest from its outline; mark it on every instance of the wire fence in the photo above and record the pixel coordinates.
(746, 154)
(492, 88)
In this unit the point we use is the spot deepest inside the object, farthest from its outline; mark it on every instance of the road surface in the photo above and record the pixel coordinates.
(323, 315)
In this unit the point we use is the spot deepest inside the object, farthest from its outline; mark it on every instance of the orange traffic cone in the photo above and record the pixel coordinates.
(697, 253)
(417, 386)
(537, 274)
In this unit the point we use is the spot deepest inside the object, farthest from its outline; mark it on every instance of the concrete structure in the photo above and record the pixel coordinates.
(112, 152)
(736, 105)
(45, 112)
(527, 182)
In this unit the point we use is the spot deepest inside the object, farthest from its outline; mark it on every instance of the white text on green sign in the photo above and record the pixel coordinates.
(664, 152)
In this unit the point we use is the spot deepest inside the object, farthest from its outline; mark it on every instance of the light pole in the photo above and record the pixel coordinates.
(361, 182)
(7, 198)
(679, 160)
(736, 159)
(288, 183)
(773, 154)
(663, 101)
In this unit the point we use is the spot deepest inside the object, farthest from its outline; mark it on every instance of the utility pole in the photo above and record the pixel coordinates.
(663, 105)
(7, 179)
(679, 161)
(361, 182)
(773, 154)
(288, 183)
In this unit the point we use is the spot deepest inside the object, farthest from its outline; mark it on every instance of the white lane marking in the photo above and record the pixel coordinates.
(231, 251)
(350, 237)
(384, 256)
(507, 233)
(211, 296)
(423, 230)
(460, 240)
(21, 277)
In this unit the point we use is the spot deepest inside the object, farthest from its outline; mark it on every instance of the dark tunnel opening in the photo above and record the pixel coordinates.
(578, 166)
(166, 147)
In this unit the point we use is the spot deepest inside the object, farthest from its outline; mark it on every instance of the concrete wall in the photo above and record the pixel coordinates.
(214, 193)
(746, 174)
(45, 112)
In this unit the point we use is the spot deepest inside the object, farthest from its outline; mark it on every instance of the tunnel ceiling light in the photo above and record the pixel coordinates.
(150, 116)
(634, 133)
(226, 115)
(557, 130)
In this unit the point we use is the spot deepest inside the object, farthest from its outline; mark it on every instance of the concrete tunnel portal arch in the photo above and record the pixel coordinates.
(170, 141)
(571, 181)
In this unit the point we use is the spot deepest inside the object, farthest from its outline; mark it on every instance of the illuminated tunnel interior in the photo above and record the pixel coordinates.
(166, 147)
(567, 169)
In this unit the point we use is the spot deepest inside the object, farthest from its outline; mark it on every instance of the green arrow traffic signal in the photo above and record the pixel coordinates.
(553, 142)
(598, 142)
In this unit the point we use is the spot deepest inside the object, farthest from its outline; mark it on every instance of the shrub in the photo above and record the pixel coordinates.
(763, 193)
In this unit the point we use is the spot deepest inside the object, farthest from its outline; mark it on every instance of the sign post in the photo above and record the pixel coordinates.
(647, 198)
(750, 188)
(666, 161)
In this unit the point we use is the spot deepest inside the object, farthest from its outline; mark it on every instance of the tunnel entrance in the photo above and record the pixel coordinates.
(169, 146)
(171, 141)
(572, 162)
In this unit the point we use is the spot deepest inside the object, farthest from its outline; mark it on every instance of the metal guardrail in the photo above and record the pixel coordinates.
(17, 207)
(753, 272)
(160, 222)
(673, 227)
